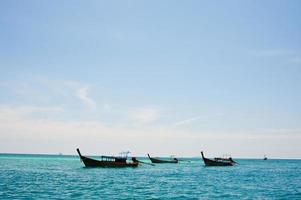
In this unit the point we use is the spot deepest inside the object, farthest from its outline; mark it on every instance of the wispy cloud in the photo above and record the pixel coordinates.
(81, 91)
(199, 118)
(25, 112)
(21, 132)
(45, 90)
(144, 115)
(187, 121)
(82, 94)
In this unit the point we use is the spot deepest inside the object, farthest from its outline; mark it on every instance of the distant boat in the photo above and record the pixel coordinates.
(157, 160)
(218, 161)
(108, 161)
(265, 157)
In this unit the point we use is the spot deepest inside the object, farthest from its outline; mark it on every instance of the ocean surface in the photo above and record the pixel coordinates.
(64, 177)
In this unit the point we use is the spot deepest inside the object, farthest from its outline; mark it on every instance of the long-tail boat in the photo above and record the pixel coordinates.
(157, 160)
(218, 161)
(108, 161)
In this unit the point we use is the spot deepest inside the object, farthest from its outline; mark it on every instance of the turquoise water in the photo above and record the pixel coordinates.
(63, 177)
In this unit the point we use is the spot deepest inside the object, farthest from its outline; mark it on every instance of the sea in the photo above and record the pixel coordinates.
(65, 177)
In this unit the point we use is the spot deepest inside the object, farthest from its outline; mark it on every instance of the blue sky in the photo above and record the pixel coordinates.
(153, 77)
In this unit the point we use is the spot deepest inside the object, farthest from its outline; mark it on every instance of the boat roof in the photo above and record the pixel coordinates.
(112, 157)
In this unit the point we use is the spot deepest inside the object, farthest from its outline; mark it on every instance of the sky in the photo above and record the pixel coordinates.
(159, 77)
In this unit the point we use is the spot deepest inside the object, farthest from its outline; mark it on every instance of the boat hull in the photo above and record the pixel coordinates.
(213, 163)
(155, 160)
(90, 162)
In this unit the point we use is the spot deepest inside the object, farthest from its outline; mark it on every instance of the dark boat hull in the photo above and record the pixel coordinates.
(155, 160)
(89, 162)
(209, 162)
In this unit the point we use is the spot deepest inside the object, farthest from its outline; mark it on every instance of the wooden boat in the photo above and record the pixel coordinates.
(108, 161)
(218, 161)
(156, 160)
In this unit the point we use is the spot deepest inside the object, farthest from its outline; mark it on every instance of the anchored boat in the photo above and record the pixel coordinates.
(157, 160)
(218, 161)
(108, 161)
(265, 157)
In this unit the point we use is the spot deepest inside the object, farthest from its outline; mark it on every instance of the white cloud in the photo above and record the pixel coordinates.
(81, 91)
(21, 112)
(187, 121)
(199, 118)
(144, 115)
(20, 132)
(45, 90)
(82, 94)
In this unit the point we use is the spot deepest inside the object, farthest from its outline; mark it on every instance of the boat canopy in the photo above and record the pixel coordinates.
(112, 158)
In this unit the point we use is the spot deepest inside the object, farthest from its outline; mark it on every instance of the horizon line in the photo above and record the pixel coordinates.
(74, 155)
